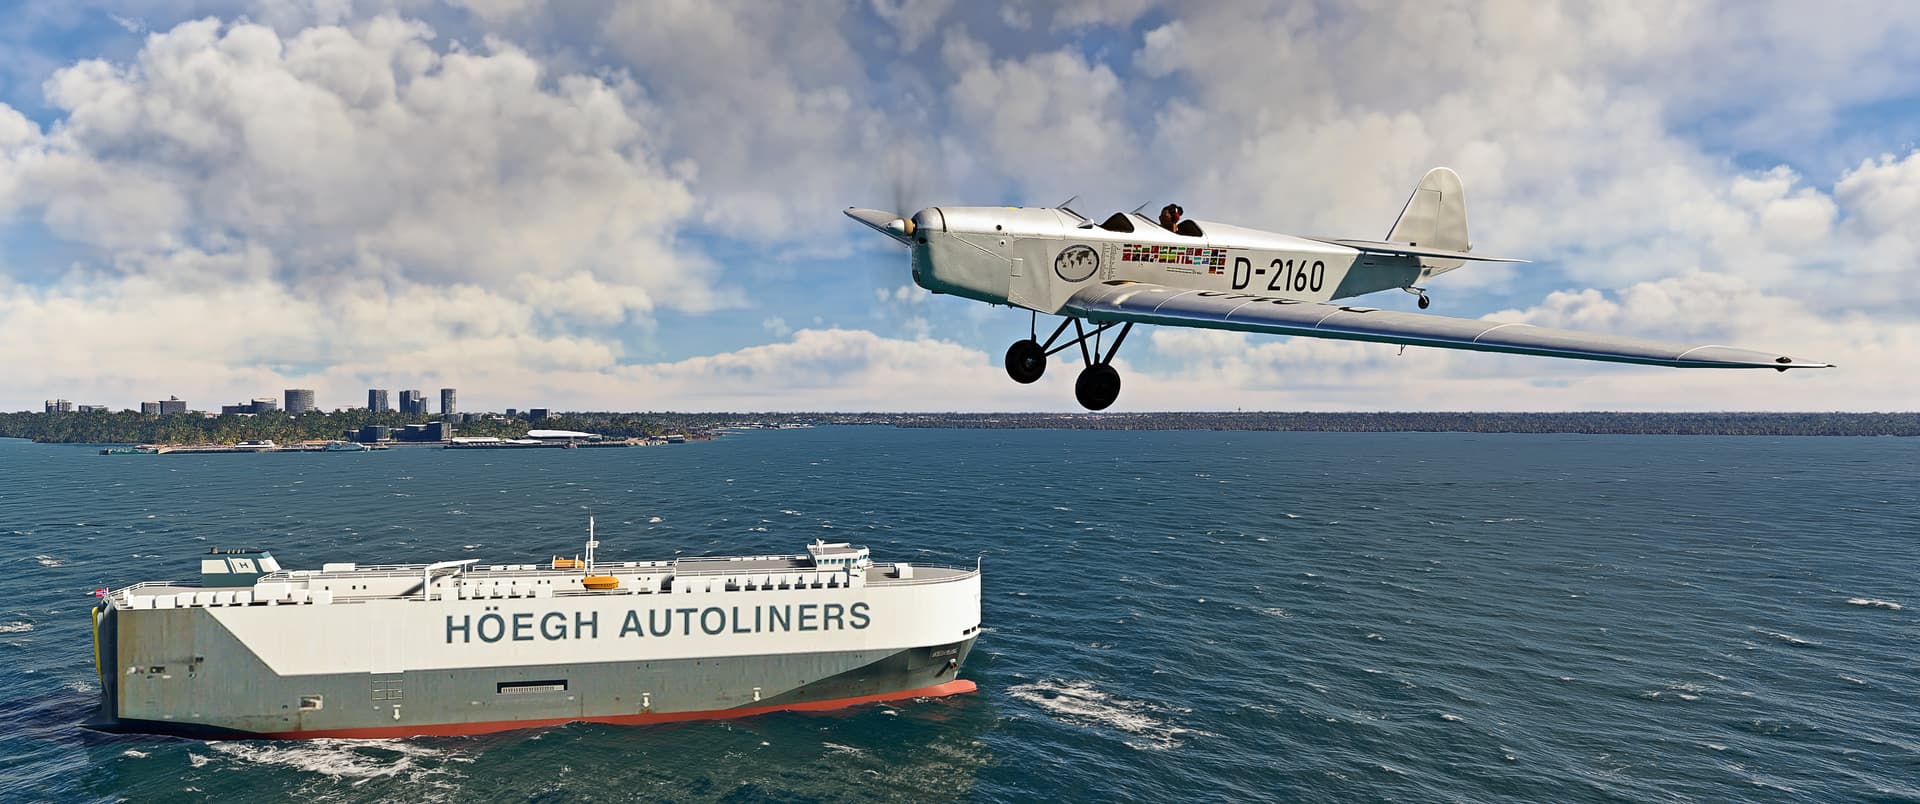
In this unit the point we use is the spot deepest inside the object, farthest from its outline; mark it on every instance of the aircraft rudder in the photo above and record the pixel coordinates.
(1435, 215)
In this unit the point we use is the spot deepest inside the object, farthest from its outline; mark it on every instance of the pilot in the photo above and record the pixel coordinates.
(1170, 217)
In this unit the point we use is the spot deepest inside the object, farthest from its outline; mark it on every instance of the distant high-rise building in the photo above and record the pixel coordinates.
(93, 408)
(59, 406)
(446, 401)
(149, 408)
(299, 400)
(413, 403)
(512, 412)
(377, 400)
(264, 404)
(537, 414)
(231, 410)
(172, 405)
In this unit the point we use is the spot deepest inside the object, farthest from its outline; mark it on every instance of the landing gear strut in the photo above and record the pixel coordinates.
(1098, 384)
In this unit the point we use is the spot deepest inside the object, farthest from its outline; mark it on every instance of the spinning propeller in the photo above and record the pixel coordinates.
(904, 177)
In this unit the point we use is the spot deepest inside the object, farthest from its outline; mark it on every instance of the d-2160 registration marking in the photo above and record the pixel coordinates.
(1281, 274)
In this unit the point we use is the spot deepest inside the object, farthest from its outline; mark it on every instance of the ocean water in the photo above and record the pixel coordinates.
(1169, 616)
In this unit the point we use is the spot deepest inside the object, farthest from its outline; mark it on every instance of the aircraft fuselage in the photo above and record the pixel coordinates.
(1037, 257)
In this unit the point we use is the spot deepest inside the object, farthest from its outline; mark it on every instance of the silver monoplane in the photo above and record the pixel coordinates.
(1129, 269)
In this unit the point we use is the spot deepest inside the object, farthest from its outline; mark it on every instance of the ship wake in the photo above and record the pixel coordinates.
(1147, 726)
(354, 762)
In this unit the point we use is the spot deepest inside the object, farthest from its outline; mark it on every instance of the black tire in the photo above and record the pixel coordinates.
(1097, 387)
(1026, 361)
(1424, 301)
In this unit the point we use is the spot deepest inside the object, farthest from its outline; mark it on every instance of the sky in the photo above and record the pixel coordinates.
(593, 205)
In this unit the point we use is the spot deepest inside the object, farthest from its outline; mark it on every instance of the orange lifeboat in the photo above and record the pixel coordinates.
(566, 563)
(600, 582)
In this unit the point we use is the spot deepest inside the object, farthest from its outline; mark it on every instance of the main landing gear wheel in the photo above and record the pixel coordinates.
(1098, 384)
(1097, 387)
(1026, 361)
(1424, 301)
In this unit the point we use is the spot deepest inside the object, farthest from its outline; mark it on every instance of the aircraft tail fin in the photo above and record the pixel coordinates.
(1435, 217)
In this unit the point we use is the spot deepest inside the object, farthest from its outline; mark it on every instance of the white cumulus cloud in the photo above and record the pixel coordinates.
(505, 197)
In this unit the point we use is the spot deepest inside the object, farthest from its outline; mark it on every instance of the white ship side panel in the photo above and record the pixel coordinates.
(396, 635)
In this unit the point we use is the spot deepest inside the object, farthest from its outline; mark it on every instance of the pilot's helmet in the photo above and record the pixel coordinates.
(1173, 211)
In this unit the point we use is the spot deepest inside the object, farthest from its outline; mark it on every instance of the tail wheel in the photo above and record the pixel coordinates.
(1097, 387)
(1026, 361)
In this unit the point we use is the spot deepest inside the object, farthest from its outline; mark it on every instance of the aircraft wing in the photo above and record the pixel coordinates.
(1157, 304)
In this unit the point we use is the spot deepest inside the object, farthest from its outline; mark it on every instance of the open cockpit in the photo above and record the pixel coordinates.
(1128, 222)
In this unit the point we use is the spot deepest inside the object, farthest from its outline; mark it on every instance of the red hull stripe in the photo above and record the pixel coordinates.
(954, 687)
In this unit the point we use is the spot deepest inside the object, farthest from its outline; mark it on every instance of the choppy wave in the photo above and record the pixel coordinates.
(1873, 602)
(16, 627)
(1787, 638)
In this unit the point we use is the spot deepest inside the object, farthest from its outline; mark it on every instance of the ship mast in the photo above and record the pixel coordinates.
(591, 543)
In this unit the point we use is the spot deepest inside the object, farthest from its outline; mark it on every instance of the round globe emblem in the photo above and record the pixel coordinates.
(1076, 263)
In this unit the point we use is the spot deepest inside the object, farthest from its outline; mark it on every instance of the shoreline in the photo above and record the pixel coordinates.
(646, 427)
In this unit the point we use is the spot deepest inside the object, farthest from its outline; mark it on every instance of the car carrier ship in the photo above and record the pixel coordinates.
(454, 647)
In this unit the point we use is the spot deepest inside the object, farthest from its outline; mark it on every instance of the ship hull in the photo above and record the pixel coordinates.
(237, 696)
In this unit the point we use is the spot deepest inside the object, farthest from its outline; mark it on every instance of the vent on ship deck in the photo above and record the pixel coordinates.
(523, 687)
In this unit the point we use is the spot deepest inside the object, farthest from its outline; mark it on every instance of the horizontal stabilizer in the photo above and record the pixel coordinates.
(886, 223)
(1404, 250)
(1146, 303)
